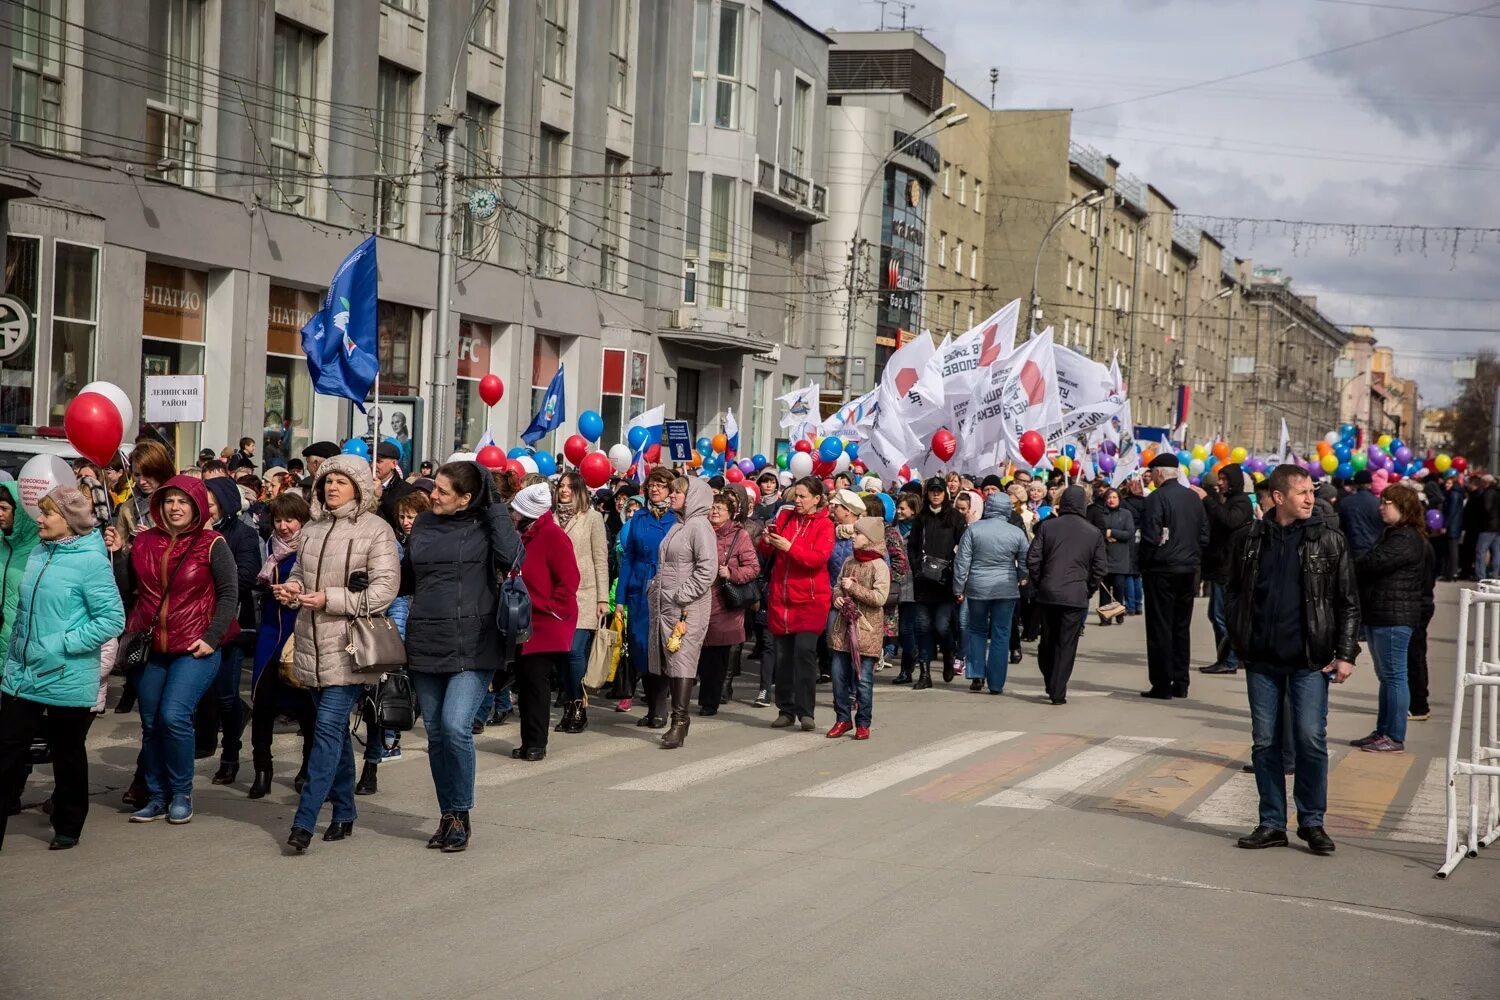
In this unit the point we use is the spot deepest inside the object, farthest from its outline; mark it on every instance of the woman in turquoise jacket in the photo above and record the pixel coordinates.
(17, 539)
(68, 608)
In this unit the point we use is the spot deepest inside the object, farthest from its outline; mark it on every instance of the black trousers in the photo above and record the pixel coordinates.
(796, 673)
(1169, 622)
(66, 730)
(271, 692)
(1416, 667)
(713, 668)
(533, 689)
(1061, 627)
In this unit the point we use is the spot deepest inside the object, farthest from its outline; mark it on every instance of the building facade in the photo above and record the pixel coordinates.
(956, 236)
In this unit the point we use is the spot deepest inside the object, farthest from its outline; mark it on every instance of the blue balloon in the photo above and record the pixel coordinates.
(852, 450)
(830, 449)
(1184, 457)
(1347, 430)
(1396, 445)
(590, 425)
(518, 451)
(546, 462)
(760, 462)
(1415, 467)
(705, 447)
(1344, 471)
(1070, 450)
(1341, 450)
(636, 438)
(357, 446)
(889, 505)
(1044, 511)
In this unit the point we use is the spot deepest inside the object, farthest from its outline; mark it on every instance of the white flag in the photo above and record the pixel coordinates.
(1087, 392)
(955, 373)
(852, 421)
(908, 395)
(1020, 394)
(800, 416)
(1128, 458)
(1284, 445)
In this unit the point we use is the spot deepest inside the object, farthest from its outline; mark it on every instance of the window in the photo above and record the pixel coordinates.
(36, 87)
(287, 427)
(726, 98)
(760, 389)
(942, 260)
(700, 62)
(1067, 330)
(937, 314)
(173, 319)
(802, 113)
(612, 233)
(546, 358)
(555, 41)
(973, 262)
(976, 196)
(410, 6)
(550, 208)
(479, 143)
(75, 314)
(398, 332)
(971, 317)
(963, 187)
(947, 172)
(620, 400)
(720, 251)
(175, 82)
(691, 244)
(21, 280)
(470, 415)
(791, 324)
(486, 33)
(294, 73)
(958, 256)
(392, 152)
(954, 325)
(619, 54)
(1068, 280)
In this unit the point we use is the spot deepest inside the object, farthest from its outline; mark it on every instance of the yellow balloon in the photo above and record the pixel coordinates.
(1443, 463)
(1063, 463)
(1259, 477)
(1200, 452)
(1330, 462)
(1238, 455)
(1382, 441)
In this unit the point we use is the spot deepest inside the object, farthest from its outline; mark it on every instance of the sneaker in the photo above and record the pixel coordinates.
(1365, 741)
(1218, 668)
(391, 753)
(760, 701)
(181, 810)
(149, 813)
(623, 705)
(1384, 745)
(477, 728)
(1418, 716)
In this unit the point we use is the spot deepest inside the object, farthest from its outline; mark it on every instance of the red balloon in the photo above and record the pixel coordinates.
(822, 469)
(653, 453)
(491, 457)
(1460, 463)
(828, 485)
(575, 447)
(803, 445)
(515, 469)
(1033, 447)
(1395, 477)
(944, 444)
(491, 389)
(733, 474)
(94, 427)
(596, 469)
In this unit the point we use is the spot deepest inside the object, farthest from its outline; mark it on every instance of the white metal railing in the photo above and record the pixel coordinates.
(1477, 682)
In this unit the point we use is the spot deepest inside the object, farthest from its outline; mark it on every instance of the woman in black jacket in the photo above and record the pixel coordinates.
(222, 709)
(1119, 544)
(454, 560)
(930, 547)
(1393, 581)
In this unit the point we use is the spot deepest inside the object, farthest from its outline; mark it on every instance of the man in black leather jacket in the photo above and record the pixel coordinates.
(1293, 621)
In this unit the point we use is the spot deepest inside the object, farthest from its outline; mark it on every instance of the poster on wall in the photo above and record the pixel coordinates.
(398, 417)
(156, 364)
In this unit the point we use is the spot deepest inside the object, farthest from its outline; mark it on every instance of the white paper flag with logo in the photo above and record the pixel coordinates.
(1020, 394)
(1128, 458)
(853, 420)
(907, 395)
(955, 372)
(1086, 392)
(800, 416)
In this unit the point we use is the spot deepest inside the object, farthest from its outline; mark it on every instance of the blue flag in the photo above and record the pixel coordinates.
(550, 414)
(339, 340)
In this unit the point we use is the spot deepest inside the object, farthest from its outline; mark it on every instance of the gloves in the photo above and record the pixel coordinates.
(359, 581)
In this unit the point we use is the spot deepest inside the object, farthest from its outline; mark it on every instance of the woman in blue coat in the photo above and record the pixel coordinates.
(68, 609)
(648, 528)
(17, 539)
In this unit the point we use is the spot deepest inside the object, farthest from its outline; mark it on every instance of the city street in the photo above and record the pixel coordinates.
(976, 846)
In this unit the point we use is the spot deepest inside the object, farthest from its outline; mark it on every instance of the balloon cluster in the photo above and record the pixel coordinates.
(95, 422)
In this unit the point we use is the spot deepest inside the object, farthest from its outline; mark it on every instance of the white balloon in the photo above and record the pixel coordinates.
(800, 464)
(1332, 437)
(1196, 466)
(39, 476)
(528, 463)
(620, 456)
(115, 395)
(841, 464)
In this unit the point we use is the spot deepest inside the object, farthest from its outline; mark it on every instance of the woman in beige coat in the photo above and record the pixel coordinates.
(859, 605)
(347, 564)
(686, 565)
(584, 527)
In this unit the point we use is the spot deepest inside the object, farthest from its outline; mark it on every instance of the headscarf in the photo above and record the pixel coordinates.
(279, 549)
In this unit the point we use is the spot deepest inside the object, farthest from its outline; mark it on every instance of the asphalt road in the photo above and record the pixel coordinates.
(976, 846)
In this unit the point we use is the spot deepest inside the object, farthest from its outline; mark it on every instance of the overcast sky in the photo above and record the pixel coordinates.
(1400, 131)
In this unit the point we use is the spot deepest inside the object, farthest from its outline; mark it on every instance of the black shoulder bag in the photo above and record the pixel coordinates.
(739, 596)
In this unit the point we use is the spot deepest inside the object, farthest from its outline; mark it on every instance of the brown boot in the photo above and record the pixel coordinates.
(682, 691)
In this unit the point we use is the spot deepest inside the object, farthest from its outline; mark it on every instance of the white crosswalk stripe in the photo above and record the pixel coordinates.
(1076, 773)
(572, 753)
(699, 771)
(906, 766)
(1235, 803)
(1425, 820)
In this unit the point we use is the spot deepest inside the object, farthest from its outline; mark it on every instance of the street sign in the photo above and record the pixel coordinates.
(679, 440)
(15, 326)
(173, 399)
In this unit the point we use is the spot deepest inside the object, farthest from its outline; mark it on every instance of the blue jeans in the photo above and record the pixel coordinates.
(934, 629)
(1218, 617)
(1388, 648)
(1306, 691)
(330, 765)
(578, 663)
(449, 702)
(989, 640)
(168, 689)
(1486, 555)
(1135, 594)
(861, 686)
(231, 707)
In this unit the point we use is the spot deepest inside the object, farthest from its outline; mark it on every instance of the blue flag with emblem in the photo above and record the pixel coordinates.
(339, 340)
(550, 414)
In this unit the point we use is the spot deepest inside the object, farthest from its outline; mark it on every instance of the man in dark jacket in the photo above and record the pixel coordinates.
(389, 486)
(1173, 536)
(1453, 528)
(1487, 545)
(1228, 510)
(931, 548)
(1066, 563)
(1473, 525)
(1294, 616)
(1359, 516)
(221, 707)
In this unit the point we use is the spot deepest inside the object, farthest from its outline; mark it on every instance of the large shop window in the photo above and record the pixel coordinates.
(400, 335)
(75, 317)
(622, 393)
(546, 357)
(172, 325)
(471, 416)
(289, 389)
(23, 256)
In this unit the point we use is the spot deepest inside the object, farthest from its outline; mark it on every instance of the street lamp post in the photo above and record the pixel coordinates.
(1087, 201)
(943, 118)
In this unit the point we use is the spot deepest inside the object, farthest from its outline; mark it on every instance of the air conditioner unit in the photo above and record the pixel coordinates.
(682, 319)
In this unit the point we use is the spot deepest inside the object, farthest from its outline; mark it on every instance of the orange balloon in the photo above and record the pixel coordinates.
(696, 460)
(1324, 448)
(1221, 450)
(1147, 456)
(719, 442)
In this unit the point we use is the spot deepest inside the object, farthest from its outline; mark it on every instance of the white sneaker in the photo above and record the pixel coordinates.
(760, 701)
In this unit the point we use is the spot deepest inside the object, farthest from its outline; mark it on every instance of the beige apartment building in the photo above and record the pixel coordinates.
(956, 268)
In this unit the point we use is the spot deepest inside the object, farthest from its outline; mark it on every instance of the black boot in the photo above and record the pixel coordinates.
(227, 772)
(261, 785)
(924, 680)
(682, 690)
(656, 691)
(369, 783)
(565, 724)
(580, 717)
(457, 837)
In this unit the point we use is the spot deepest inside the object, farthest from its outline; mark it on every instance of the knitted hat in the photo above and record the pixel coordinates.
(532, 502)
(872, 528)
(76, 508)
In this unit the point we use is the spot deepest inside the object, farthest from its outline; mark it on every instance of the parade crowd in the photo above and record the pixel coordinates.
(508, 592)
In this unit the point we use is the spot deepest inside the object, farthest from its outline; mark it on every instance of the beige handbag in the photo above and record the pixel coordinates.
(374, 644)
(603, 656)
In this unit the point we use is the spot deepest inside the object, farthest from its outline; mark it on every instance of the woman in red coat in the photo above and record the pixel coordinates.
(799, 544)
(550, 572)
(726, 626)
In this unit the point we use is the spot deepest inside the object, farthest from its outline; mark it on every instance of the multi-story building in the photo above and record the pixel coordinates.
(1402, 409)
(956, 232)
(1437, 429)
(1294, 354)
(1361, 396)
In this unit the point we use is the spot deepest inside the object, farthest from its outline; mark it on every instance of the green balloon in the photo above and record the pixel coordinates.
(782, 460)
(1359, 460)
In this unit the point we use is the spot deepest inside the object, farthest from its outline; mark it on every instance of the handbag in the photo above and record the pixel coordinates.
(934, 570)
(739, 596)
(603, 656)
(395, 702)
(374, 644)
(286, 660)
(135, 647)
(513, 608)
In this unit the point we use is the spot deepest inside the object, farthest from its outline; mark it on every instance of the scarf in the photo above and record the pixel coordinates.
(279, 551)
(868, 555)
(659, 509)
(563, 514)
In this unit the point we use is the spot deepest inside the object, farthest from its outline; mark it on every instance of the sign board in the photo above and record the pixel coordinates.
(679, 440)
(15, 326)
(173, 399)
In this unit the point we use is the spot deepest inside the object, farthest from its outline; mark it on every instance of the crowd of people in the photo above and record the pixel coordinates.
(500, 587)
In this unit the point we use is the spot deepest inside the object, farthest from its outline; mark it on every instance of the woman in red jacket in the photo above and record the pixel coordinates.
(550, 572)
(799, 544)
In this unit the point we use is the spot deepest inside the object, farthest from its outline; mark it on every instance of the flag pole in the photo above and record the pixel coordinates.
(375, 438)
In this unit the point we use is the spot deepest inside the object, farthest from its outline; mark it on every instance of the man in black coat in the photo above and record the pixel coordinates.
(1066, 563)
(389, 485)
(1228, 510)
(1359, 516)
(1173, 537)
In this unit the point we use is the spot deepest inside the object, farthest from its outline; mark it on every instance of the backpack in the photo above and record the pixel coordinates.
(513, 609)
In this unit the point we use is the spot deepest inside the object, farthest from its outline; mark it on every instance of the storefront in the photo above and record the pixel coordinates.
(289, 390)
(471, 416)
(622, 392)
(903, 237)
(172, 331)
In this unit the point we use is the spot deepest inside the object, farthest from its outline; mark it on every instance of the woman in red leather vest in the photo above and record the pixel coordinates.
(187, 596)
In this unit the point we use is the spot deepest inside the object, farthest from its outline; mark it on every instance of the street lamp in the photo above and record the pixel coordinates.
(942, 118)
(1088, 201)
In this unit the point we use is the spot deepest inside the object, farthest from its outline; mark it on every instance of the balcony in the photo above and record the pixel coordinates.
(785, 191)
